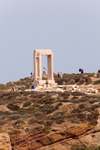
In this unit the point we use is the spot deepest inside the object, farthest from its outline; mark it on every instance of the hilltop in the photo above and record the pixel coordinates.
(51, 120)
(67, 79)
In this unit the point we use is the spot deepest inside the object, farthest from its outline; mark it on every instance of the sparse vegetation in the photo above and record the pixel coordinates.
(41, 113)
(15, 132)
(26, 104)
(96, 82)
(13, 107)
(85, 148)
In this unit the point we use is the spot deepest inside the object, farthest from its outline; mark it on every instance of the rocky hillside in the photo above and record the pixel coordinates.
(67, 79)
(49, 120)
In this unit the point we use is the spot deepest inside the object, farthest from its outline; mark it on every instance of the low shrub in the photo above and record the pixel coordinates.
(18, 122)
(47, 129)
(65, 94)
(60, 121)
(49, 123)
(90, 75)
(26, 104)
(15, 132)
(3, 131)
(57, 117)
(98, 75)
(76, 117)
(58, 105)
(81, 106)
(81, 81)
(48, 100)
(77, 94)
(75, 97)
(47, 109)
(32, 121)
(93, 122)
(88, 81)
(14, 117)
(76, 110)
(93, 101)
(13, 107)
(92, 116)
(95, 106)
(5, 113)
(85, 148)
(65, 101)
(25, 112)
(40, 121)
(2, 122)
(96, 82)
(81, 117)
(83, 99)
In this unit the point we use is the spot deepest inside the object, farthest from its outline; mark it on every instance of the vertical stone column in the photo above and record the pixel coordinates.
(40, 67)
(50, 67)
(48, 60)
(35, 65)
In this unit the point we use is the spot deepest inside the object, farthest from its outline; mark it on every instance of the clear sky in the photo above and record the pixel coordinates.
(71, 28)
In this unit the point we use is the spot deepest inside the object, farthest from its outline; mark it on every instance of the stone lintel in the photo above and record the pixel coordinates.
(42, 52)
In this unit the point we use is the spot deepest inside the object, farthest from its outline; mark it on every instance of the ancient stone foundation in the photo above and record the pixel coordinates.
(38, 82)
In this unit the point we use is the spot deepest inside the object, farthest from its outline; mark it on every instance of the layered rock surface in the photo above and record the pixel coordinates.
(5, 143)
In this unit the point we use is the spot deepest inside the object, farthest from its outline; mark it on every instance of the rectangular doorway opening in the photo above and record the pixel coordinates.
(44, 68)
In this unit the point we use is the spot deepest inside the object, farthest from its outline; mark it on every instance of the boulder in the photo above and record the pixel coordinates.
(5, 143)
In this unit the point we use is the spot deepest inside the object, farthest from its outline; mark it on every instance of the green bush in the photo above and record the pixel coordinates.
(88, 81)
(65, 101)
(2, 122)
(22, 111)
(47, 129)
(5, 113)
(18, 122)
(81, 106)
(85, 148)
(76, 110)
(15, 132)
(14, 117)
(47, 109)
(93, 122)
(47, 100)
(26, 104)
(49, 123)
(32, 121)
(60, 121)
(92, 116)
(93, 101)
(58, 105)
(93, 107)
(78, 94)
(96, 82)
(13, 107)
(65, 94)
(81, 81)
(76, 117)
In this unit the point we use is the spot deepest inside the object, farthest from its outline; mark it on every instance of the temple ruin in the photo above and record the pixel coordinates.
(38, 82)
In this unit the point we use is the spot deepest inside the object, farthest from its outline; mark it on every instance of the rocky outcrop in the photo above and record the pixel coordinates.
(5, 143)
(40, 140)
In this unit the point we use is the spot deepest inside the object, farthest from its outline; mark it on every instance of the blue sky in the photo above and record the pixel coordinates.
(71, 28)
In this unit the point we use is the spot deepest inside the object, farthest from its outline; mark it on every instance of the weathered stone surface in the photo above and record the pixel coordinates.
(38, 82)
(5, 143)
